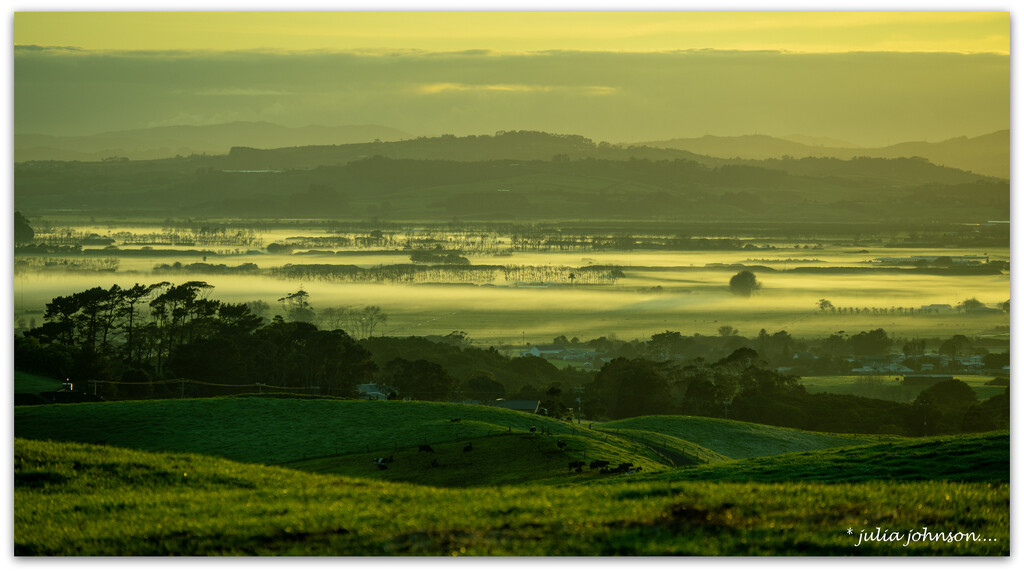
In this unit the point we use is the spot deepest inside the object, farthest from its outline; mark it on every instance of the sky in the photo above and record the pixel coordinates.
(867, 78)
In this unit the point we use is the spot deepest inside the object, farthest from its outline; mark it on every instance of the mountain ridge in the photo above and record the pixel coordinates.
(987, 154)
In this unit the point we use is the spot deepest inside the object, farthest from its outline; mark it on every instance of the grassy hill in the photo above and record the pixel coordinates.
(78, 499)
(31, 383)
(342, 436)
(968, 458)
(730, 438)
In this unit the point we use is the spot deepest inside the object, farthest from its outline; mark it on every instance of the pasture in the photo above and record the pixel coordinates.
(32, 383)
(983, 458)
(285, 430)
(78, 499)
(733, 439)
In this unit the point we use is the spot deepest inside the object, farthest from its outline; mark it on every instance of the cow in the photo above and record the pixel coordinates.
(577, 465)
(468, 448)
(625, 466)
(599, 464)
(455, 420)
(378, 461)
(561, 444)
(533, 429)
(426, 448)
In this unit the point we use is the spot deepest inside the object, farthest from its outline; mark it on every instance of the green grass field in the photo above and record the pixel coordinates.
(286, 430)
(731, 438)
(76, 499)
(31, 383)
(970, 458)
(288, 476)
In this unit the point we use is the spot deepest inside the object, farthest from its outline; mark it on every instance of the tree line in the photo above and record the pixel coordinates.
(163, 331)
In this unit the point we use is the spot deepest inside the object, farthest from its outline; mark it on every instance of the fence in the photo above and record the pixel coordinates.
(179, 388)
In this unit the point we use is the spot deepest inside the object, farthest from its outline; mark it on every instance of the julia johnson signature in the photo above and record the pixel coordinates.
(878, 535)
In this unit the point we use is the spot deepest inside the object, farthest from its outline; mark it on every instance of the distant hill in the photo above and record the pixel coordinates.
(515, 175)
(986, 154)
(162, 142)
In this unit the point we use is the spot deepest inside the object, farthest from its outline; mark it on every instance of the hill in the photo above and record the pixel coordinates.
(539, 176)
(339, 436)
(163, 142)
(76, 499)
(968, 458)
(730, 438)
(987, 154)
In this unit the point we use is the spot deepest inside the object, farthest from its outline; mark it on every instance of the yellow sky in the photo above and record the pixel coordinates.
(520, 31)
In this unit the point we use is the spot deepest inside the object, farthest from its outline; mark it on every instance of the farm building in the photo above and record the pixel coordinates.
(372, 392)
(545, 350)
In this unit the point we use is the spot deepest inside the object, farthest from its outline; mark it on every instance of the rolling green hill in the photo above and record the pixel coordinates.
(503, 459)
(77, 499)
(968, 458)
(32, 383)
(339, 436)
(731, 438)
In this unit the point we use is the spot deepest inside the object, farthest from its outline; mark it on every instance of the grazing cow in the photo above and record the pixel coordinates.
(599, 464)
(625, 466)
(468, 448)
(533, 429)
(577, 464)
(426, 448)
(455, 420)
(378, 461)
(561, 444)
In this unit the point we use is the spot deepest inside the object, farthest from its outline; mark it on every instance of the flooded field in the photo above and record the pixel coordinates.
(653, 290)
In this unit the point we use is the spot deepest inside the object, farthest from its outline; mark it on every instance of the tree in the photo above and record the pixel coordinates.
(942, 406)
(914, 347)
(744, 283)
(483, 386)
(419, 380)
(873, 343)
(971, 304)
(825, 305)
(727, 331)
(297, 306)
(23, 232)
(956, 346)
(367, 320)
(632, 387)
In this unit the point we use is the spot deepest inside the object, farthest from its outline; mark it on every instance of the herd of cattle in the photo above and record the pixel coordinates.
(602, 465)
(576, 466)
